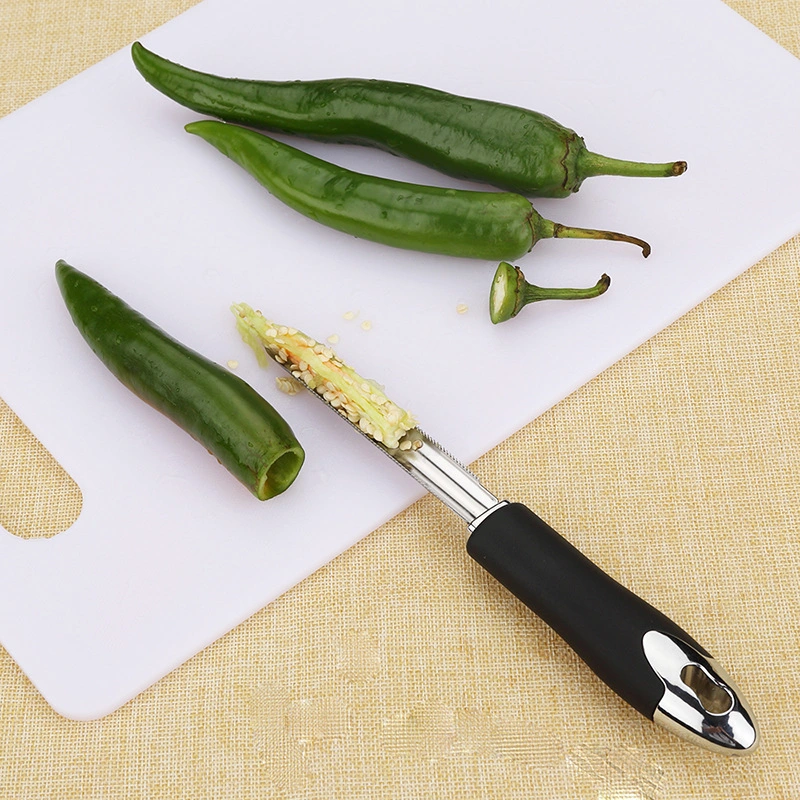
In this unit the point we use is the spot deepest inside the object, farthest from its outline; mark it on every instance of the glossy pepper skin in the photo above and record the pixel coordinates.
(485, 225)
(218, 409)
(505, 146)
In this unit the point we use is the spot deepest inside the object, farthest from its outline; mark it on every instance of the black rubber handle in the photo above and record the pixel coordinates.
(599, 618)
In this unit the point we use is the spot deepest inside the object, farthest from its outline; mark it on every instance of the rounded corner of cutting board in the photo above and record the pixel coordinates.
(78, 708)
(79, 703)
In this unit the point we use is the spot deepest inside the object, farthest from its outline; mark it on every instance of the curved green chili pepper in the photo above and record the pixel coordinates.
(218, 409)
(506, 146)
(510, 292)
(487, 225)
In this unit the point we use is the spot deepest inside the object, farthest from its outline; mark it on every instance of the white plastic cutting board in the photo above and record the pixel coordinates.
(170, 552)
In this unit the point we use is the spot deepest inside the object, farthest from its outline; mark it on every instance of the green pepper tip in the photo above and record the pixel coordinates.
(139, 53)
(63, 270)
(201, 127)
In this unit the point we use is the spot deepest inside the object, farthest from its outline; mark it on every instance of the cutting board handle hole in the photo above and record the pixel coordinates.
(38, 498)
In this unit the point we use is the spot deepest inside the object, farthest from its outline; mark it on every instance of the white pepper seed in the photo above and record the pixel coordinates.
(287, 385)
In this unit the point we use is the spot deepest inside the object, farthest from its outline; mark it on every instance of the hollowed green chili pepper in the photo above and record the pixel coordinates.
(217, 408)
(506, 146)
(510, 292)
(486, 225)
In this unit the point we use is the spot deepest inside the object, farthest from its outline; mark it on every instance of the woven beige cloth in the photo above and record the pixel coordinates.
(400, 670)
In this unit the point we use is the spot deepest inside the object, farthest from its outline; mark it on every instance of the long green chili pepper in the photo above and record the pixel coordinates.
(486, 225)
(506, 146)
(510, 292)
(217, 408)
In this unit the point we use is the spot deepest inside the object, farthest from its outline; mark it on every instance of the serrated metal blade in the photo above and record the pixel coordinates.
(430, 465)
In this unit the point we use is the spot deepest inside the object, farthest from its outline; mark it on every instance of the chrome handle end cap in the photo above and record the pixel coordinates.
(700, 703)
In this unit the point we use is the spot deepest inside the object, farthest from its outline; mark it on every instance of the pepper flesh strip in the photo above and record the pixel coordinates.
(359, 399)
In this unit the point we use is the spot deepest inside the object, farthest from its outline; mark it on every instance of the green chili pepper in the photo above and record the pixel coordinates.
(506, 146)
(510, 292)
(487, 225)
(217, 408)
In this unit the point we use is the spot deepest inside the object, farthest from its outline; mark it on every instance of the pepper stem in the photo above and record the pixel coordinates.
(565, 232)
(547, 229)
(591, 164)
(510, 292)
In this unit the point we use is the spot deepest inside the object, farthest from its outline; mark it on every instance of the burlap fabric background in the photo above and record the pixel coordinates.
(400, 670)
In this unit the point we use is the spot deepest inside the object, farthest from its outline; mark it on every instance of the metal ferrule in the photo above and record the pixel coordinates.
(700, 703)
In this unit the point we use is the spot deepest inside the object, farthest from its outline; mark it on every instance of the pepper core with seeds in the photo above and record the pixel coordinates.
(359, 399)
